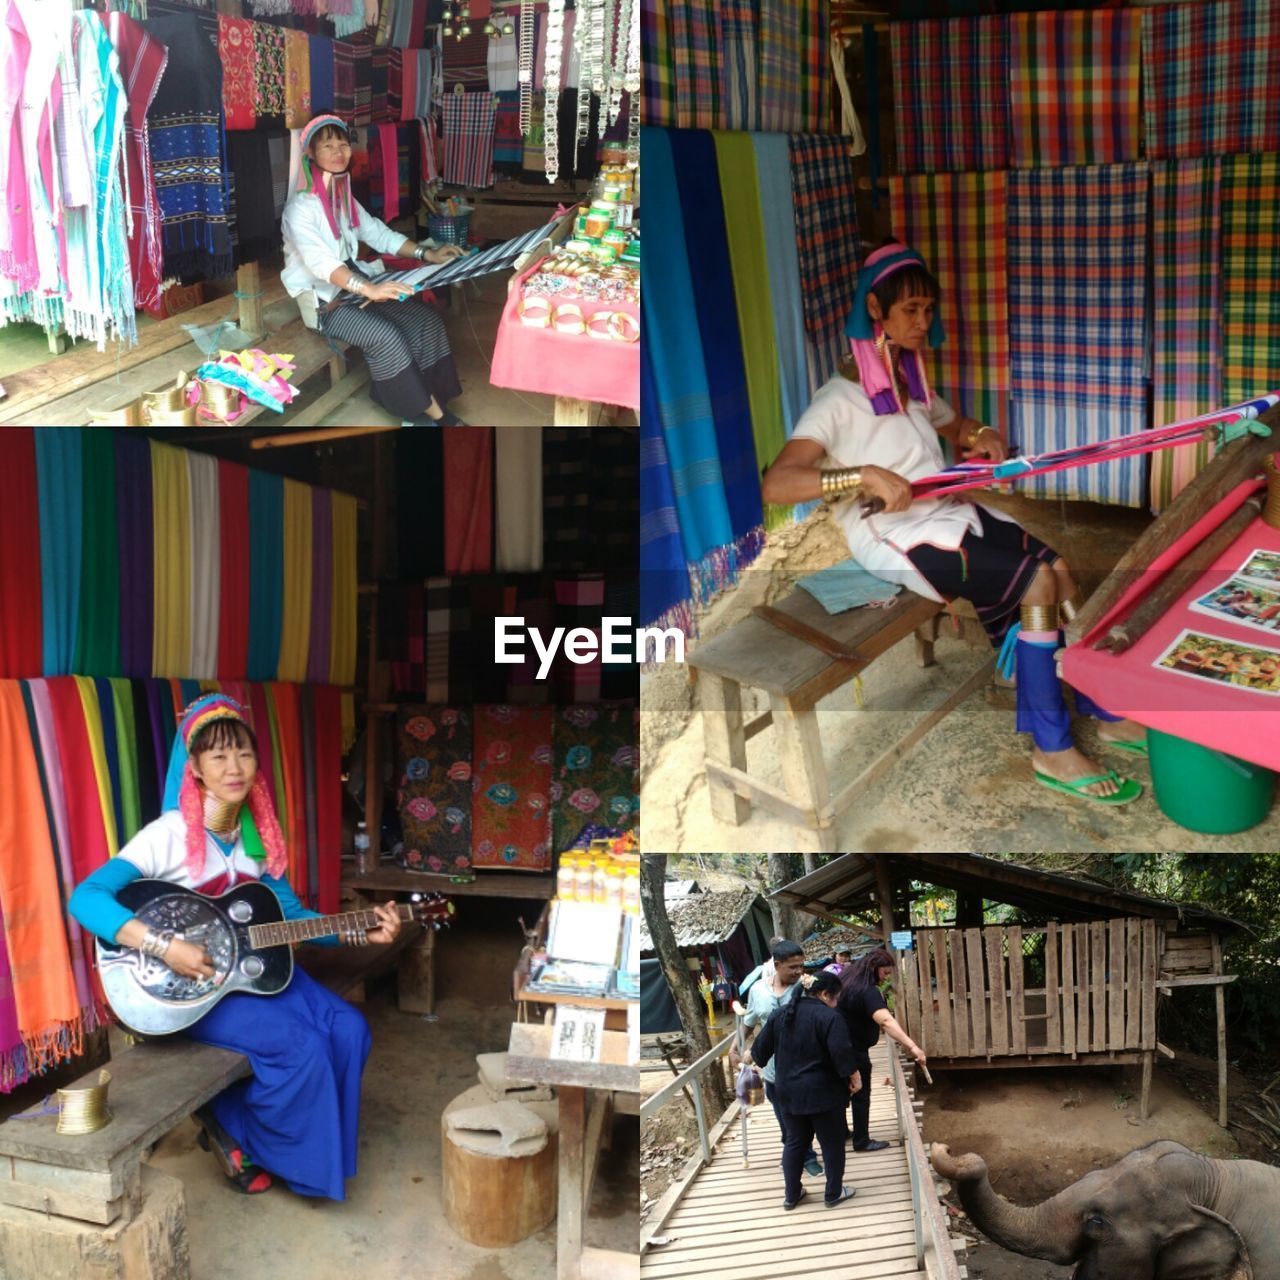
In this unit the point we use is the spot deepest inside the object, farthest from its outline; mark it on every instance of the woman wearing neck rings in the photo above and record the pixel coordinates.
(406, 346)
(873, 429)
(298, 1115)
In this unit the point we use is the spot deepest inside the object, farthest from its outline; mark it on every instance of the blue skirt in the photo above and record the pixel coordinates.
(299, 1114)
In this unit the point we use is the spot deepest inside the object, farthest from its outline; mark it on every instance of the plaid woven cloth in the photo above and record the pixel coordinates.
(951, 94)
(658, 76)
(1073, 88)
(1186, 315)
(1210, 73)
(1250, 263)
(791, 57)
(344, 79)
(826, 229)
(739, 23)
(448, 642)
(696, 42)
(379, 106)
(1077, 318)
(363, 72)
(957, 222)
(469, 120)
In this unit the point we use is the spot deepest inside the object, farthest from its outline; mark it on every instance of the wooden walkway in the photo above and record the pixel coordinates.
(730, 1223)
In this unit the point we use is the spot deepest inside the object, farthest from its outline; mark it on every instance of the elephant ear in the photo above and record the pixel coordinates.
(1206, 1248)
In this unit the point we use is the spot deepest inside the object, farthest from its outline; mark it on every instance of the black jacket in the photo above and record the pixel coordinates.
(814, 1056)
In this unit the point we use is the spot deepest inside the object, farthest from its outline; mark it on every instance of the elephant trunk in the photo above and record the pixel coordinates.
(1047, 1231)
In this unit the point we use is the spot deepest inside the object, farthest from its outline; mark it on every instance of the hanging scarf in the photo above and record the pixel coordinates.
(130, 816)
(59, 473)
(468, 525)
(233, 569)
(283, 699)
(17, 231)
(268, 69)
(321, 66)
(259, 829)
(342, 668)
(171, 504)
(388, 153)
(136, 528)
(321, 586)
(296, 614)
(266, 573)
(21, 625)
(97, 650)
(297, 79)
(239, 57)
(96, 732)
(188, 150)
(202, 483)
(867, 341)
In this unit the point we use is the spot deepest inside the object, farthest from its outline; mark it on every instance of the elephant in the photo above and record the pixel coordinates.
(1160, 1213)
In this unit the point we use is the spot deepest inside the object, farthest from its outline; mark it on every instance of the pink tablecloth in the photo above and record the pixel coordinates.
(577, 366)
(1221, 716)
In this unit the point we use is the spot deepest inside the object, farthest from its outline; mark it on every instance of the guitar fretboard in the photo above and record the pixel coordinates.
(281, 932)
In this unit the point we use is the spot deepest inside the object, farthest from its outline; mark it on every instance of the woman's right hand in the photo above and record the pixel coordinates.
(888, 486)
(388, 291)
(188, 960)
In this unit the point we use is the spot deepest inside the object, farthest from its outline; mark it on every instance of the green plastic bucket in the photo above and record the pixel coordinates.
(1206, 790)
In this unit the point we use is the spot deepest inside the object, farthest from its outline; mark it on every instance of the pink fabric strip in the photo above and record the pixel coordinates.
(390, 173)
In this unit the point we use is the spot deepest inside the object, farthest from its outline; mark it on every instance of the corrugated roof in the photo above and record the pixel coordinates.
(679, 889)
(849, 884)
(704, 919)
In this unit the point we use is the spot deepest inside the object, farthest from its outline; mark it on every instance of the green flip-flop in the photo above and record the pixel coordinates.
(1129, 789)
(1138, 748)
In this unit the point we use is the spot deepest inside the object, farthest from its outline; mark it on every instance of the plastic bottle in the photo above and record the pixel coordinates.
(613, 886)
(631, 891)
(364, 859)
(600, 880)
(567, 879)
(585, 880)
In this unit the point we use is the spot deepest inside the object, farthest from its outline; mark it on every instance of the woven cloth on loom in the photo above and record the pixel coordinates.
(297, 79)
(826, 229)
(1077, 319)
(466, 62)
(511, 767)
(1210, 78)
(597, 770)
(957, 222)
(791, 53)
(951, 94)
(268, 69)
(1073, 88)
(1250, 266)
(238, 52)
(1186, 372)
(434, 790)
(468, 138)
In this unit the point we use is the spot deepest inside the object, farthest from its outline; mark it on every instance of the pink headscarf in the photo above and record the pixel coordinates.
(336, 197)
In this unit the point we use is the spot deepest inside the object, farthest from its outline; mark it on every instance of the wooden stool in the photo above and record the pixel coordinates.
(796, 675)
(499, 1168)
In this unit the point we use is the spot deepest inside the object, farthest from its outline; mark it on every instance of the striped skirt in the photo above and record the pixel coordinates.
(407, 349)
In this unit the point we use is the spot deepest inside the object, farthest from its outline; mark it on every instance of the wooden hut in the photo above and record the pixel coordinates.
(1076, 983)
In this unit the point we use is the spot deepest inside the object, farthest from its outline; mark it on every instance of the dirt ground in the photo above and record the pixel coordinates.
(1040, 1130)
(919, 805)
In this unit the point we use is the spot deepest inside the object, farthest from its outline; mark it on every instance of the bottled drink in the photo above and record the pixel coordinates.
(364, 859)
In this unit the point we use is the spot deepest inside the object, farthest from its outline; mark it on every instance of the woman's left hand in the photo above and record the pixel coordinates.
(988, 445)
(388, 924)
(445, 253)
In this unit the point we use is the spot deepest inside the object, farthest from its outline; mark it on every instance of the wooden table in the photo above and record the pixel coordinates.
(796, 676)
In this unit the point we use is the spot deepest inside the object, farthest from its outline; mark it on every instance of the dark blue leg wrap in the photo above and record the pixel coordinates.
(1041, 710)
(1086, 706)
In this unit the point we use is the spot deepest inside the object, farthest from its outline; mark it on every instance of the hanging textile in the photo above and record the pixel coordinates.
(739, 23)
(518, 499)
(171, 505)
(466, 62)
(951, 94)
(378, 60)
(395, 84)
(597, 770)
(696, 45)
(136, 524)
(202, 479)
(284, 700)
(239, 56)
(95, 732)
(657, 67)
(59, 465)
(664, 580)
(579, 606)
(1209, 79)
(142, 63)
(1250, 257)
(362, 54)
(344, 79)
(297, 568)
(434, 789)
(791, 49)
(826, 229)
(97, 650)
(345, 587)
(320, 60)
(502, 64)
(129, 821)
(449, 648)
(13, 1055)
(256, 223)
(233, 566)
(21, 629)
(957, 222)
(468, 511)
(266, 573)
(388, 157)
(1073, 88)
(511, 768)
(268, 69)
(508, 141)
(1077, 320)
(17, 232)
(187, 151)
(321, 569)
(744, 222)
(1186, 376)
(297, 79)
(468, 139)
(327, 714)
(86, 823)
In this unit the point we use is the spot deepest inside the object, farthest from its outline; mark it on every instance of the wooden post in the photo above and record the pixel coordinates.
(885, 889)
(1144, 1110)
(416, 976)
(249, 295)
(573, 1159)
(1220, 1006)
(726, 743)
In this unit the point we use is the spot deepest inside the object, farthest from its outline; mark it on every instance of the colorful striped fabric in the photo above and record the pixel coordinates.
(826, 229)
(1186, 374)
(295, 630)
(171, 504)
(1250, 266)
(738, 24)
(469, 120)
(791, 57)
(342, 662)
(1077, 318)
(1073, 88)
(657, 67)
(957, 222)
(696, 41)
(951, 94)
(1210, 78)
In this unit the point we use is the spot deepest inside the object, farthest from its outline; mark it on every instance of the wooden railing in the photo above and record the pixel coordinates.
(929, 1217)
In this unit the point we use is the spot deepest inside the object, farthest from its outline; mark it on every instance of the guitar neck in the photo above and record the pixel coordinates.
(282, 932)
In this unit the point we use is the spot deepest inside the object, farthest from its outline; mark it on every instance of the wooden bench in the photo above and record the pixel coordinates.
(796, 675)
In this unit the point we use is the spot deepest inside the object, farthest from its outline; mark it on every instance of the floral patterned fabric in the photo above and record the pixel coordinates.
(510, 786)
(238, 55)
(434, 795)
(597, 769)
(268, 69)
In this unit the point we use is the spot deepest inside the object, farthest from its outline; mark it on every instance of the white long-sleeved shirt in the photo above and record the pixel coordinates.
(312, 252)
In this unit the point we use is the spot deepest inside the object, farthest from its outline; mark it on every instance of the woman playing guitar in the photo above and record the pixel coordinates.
(298, 1114)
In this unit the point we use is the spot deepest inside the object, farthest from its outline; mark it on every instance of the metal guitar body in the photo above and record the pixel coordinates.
(149, 998)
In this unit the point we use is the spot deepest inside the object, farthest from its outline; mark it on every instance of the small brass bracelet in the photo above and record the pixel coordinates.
(1039, 617)
(1069, 608)
(841, 481)
(975, 433)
